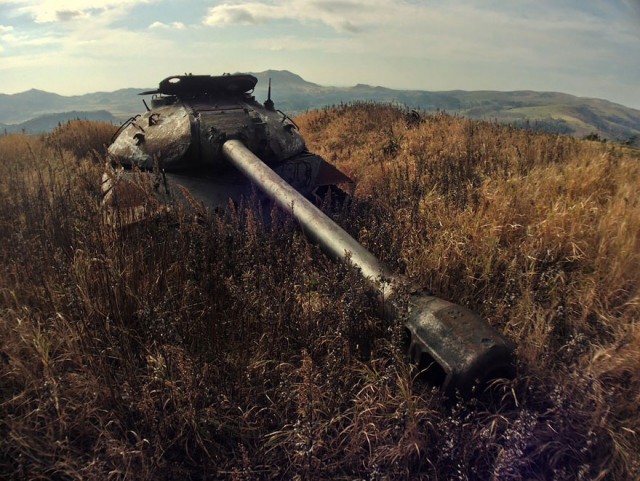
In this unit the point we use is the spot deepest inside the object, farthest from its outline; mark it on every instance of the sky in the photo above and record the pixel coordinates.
(588, 48)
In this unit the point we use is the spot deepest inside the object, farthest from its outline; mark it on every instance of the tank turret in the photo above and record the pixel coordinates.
(190, 119)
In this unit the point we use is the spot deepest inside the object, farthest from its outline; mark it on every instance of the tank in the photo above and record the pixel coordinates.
(181, 135)
(207, 138)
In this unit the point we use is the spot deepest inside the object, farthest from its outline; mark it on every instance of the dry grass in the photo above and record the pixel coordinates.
(231, 349)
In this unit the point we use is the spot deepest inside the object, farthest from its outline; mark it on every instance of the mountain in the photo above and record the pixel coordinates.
(48, 122)
(548, 111)
(26, 105)
(34, 103)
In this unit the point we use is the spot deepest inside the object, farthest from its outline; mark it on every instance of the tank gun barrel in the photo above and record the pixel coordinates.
(456, 348)
(319, 228)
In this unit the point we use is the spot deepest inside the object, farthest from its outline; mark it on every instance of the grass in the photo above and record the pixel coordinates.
(225, 348)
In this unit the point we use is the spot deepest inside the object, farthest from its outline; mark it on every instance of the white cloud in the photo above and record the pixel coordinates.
(343, 16)
(47, 11)
(69, 32)
(172, 25)
(538, 44)
(411, 17)
(16, 38)
(80, 49)
(539, 34)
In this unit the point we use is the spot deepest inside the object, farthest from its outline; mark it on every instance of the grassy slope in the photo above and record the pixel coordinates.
(582, 116)
(225, 348)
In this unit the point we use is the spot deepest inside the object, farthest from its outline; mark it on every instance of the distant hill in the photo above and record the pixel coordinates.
(548, 111)
(48, 122)
(34, 103)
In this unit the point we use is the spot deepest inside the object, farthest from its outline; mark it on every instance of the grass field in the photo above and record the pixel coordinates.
(227, 348)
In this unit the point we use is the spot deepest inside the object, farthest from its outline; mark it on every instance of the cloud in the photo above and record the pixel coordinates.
(633, 5)
(537, 44)
(576, 46)
(343, 16)
(49, 11)
(68, 15)
(172, 25)
(238, 14)
(463, 18)
(402, 17)
(101, 42)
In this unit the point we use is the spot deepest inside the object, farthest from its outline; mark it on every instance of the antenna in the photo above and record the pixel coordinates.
(268, 104)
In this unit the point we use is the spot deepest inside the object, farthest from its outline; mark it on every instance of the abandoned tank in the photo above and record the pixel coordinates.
(207, 138)
(191, 117)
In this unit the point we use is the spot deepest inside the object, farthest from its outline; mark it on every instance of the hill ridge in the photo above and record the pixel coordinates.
(549, 111)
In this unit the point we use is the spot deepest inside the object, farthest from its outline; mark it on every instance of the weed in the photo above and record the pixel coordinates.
(224, 347)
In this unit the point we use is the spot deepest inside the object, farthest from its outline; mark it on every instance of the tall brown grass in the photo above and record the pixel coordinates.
(230, 348)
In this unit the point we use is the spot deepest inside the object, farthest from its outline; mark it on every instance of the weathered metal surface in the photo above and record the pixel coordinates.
(194, 115)
(456, 348)
(183, 133)
(185, 85)
(162, 135)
